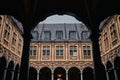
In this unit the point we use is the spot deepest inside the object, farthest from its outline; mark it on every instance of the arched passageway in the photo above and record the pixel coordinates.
(32, 73)
(9, 74)
(45, 74)
(2, 67)
(110, 71)
(16, 72)
(74, 74)
(59, 73)
(117, 67)
(88, 74)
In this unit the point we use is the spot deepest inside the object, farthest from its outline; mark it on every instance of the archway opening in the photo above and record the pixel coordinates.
(59, 74)
(110, 71)
(74, 74)
(32, 73)
(45, 74)
(9, 74)
(117, 66)
(2, 67)
(88, 74)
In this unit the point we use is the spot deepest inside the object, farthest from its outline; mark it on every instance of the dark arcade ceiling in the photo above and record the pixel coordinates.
(91, 12)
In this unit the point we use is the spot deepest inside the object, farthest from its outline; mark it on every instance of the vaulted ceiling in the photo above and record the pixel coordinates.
(91, 12)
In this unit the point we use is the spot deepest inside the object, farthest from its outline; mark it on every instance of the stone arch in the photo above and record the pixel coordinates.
(74, 74)
(60, 72)
(117, 66)
(45, 73)
(32, 73)
(88, 73)
(16, 72)
(110, 70)
(9, 74)
(3, 64)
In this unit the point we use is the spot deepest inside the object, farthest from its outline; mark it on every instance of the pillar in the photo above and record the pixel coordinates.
(37, 74)
(5, 72)
(24, 68)
(66, 74)
(52, 75)
(98, 66)
(81, 75)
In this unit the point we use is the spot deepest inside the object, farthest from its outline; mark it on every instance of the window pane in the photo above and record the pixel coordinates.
(72, 35)
(47, 35)
(59, 34)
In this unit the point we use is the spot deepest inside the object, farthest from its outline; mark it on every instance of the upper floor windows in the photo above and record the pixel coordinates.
(113, 34)
(85, 35)
(14, 38)
(35, 35)
(87, 51)
(59, 50)
(106, 41)
(7, 32)
(33, 50)
(73, 50)
(46, 50)
(59, 35)
(47, 35)
(72, 35)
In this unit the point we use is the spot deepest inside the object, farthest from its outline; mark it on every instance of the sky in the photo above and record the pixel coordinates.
(60, 19)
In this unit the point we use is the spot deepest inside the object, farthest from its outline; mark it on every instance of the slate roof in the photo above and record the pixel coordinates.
(38, 32)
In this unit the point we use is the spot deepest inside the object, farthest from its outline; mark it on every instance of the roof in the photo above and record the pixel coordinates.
(39, 32)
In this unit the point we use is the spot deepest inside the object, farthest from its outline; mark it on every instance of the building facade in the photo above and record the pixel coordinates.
(59, 51)
(110, 46)
(61, 47)
(11, 43)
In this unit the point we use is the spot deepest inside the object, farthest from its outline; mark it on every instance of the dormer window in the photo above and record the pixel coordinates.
(59, 35)
(72, 35)
(47, 35)
(85, 35)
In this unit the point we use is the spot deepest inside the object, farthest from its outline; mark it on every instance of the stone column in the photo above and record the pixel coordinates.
(98, 66)
(12, 74)
(66, 74)
(24, 68)
(37, 74)
(116, 78)
(81, 75)
(52, 78)
(5, 72)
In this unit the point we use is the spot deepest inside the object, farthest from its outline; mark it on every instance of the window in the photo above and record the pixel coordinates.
(87, 51)
(85, 35)
(47, 35)
(73, 50)
(35, 35)
(46, 50)
(106, 41)
(59, 35)
(7, 32)
(72, 35)
(20, 46)
(59, 50)
(113, 34)
(33, 50)
(14, 39)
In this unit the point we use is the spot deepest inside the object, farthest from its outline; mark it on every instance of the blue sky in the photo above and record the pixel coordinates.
(60, 19)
